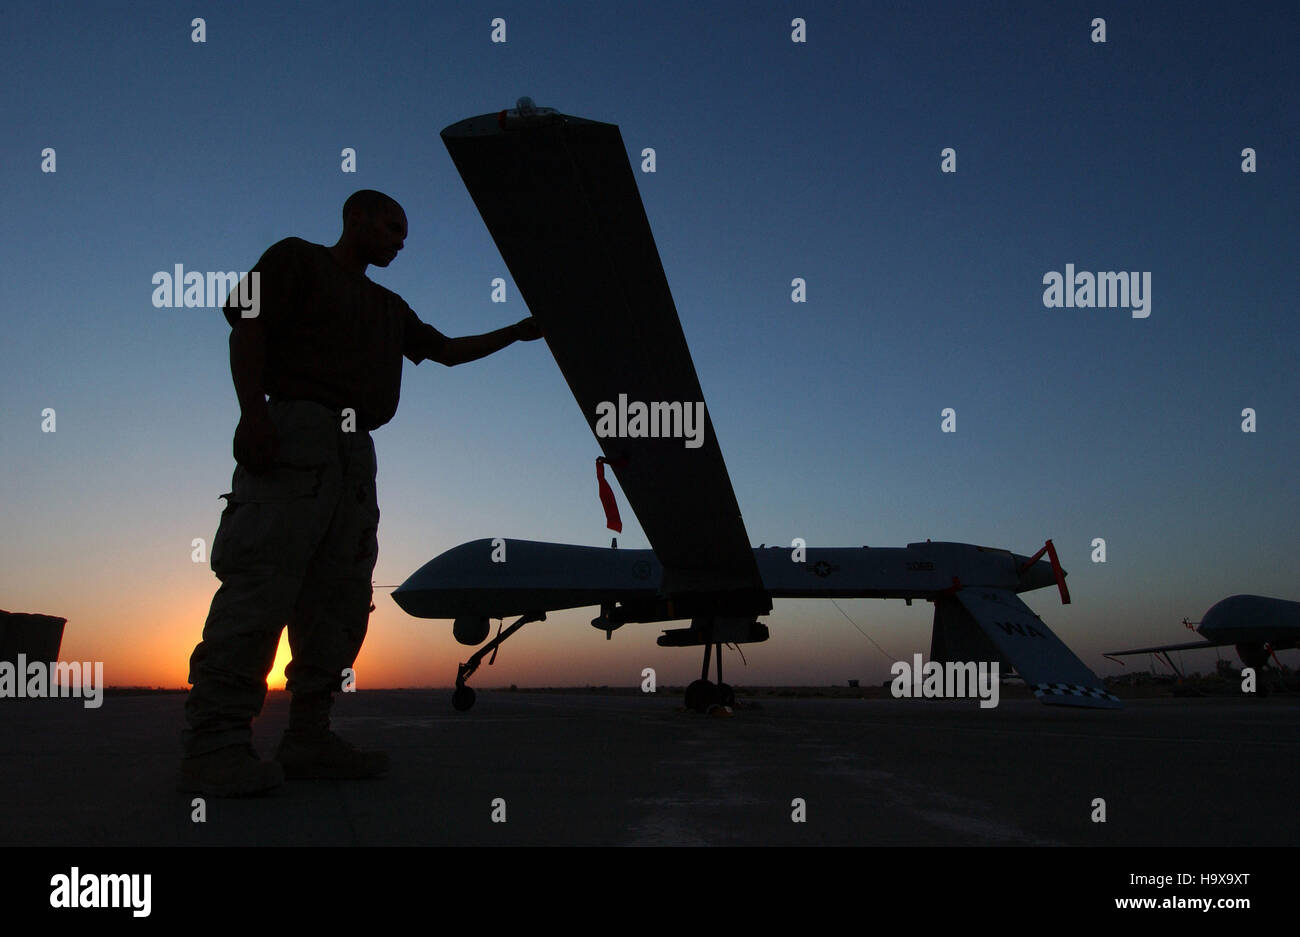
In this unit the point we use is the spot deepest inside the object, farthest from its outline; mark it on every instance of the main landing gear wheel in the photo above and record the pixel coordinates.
(702, 694)
(462, 699)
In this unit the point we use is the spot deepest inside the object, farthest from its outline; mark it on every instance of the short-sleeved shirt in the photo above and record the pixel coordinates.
(333, 336)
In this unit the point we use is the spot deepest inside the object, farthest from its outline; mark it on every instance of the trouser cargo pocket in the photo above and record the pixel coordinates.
(275, 519)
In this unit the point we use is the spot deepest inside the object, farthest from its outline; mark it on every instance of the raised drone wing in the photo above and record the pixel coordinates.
(558, 196)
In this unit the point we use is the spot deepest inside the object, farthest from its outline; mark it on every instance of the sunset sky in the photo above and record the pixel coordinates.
(775, 160)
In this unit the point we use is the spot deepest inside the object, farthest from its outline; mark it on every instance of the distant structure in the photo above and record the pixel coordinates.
(36, 637)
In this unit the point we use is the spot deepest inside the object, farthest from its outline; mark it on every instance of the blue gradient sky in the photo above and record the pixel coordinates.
(775, 160)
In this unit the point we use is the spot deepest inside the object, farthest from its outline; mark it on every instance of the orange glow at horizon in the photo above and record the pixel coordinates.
(275, 680)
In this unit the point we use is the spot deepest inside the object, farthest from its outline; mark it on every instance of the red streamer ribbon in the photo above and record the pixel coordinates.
(612, 519)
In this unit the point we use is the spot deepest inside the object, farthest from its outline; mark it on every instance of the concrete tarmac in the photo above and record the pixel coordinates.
(585, 768)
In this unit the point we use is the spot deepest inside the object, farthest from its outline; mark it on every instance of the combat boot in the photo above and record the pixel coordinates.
(322, 754)
(233, 771)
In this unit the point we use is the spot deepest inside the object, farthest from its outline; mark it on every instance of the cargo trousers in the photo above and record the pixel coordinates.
(296, 545)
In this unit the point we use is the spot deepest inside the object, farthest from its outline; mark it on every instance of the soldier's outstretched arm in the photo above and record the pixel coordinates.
(454, 351)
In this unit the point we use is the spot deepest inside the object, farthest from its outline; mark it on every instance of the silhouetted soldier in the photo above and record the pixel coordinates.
(297, 540)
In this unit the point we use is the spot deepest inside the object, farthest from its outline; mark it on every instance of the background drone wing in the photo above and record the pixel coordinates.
(1189, 646)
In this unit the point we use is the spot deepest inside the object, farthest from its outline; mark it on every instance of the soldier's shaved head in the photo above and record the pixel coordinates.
(366, 202)
(374, 229)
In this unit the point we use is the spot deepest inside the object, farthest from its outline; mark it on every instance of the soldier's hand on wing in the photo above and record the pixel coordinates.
(256, 441)
(528, 330)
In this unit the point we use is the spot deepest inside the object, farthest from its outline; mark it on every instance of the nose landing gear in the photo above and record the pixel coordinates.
(462, 698)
